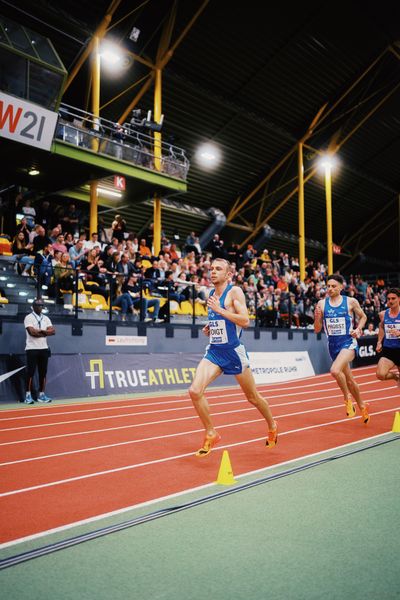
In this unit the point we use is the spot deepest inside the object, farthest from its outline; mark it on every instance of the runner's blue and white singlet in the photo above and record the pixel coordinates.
(337, 322)
(223, 333)
(390, 324)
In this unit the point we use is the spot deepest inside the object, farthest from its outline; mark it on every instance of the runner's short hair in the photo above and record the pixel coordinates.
(227, 263)
(337, 278)
(395, 291)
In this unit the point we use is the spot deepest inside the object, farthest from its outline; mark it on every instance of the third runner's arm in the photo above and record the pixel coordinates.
(240, 316)
(381, 332)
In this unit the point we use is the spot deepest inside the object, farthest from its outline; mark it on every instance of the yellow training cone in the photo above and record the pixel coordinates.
(396, 423)
(225, 474)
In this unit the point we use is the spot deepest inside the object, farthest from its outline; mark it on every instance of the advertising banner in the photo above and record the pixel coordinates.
(26, 122)
(273, 367)
(83, 375)
(367, 354)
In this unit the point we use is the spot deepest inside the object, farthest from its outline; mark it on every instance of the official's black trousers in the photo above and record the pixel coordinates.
(36, 359)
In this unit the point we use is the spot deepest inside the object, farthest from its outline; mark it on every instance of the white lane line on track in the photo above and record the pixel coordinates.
(164, 421)
(121, 511)
(227, 394)
(164, 410)
(167, 459)
(161, 437)
(265, 388)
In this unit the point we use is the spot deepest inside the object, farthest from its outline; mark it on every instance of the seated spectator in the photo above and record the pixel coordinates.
(371, 329)
(22, 253)
(40, 241)
(93, 242)
(124, 266)
(133, 288)
(77, 253)
(59, 244)
(64, 275)
(43, 265)
(144, 250)
(152, 276)
(69, 241)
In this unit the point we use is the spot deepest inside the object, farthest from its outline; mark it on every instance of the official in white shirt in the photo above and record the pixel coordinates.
(38, 327)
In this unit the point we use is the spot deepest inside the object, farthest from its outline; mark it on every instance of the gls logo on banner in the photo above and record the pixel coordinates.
(366, 351)
(133, 378)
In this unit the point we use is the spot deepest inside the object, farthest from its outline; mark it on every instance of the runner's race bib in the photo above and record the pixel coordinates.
(390, 329)
(336, 325)
(218, 333)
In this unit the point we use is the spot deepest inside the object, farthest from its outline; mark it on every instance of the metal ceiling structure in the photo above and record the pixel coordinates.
(257, 83)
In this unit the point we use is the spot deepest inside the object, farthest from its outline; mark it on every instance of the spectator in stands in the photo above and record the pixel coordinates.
(24, 227)
(152, 276)
(124, 266)
(64, 275)
(22, 253)
(133, 288)
(216, 247)
(41, 240)
(71, 219)
(44, 215)
(93, 242)
(29, 212)
(77, 253)
(43, 265)
(95, 271)
(371, 329)
(144, 250)
(69, 241)
(119, 228)
(54, 233)
(59, 244)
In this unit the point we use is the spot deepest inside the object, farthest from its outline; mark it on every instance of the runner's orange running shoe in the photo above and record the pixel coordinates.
(350, 410)
(208, 444)
(365, 414)
(272, 438)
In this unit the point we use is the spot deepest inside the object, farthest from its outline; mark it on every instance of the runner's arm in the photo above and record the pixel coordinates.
(318, 312)
(381, 332)
(361, 318)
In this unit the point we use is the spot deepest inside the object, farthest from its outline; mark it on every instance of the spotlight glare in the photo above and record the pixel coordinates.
(33, 171)
(208, 155)
(327, 162)
(110, 54)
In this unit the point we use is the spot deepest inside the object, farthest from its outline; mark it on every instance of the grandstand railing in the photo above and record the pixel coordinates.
(126, 142)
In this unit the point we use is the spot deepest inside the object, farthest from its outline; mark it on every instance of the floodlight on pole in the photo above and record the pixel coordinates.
(328, 162)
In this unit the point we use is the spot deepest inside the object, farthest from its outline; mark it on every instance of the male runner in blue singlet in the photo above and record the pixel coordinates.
(227, 315)
(389, 338)
(335, 314)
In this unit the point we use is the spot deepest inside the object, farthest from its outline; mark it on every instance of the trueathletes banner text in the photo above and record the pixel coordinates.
(79, 375)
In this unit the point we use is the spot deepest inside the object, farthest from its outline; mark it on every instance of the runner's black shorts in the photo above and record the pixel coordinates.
(392, 354)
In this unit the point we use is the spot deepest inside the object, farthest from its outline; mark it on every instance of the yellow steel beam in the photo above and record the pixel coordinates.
(99, 34)
(328, 196)
(277, 208)
(236, 209)
(169, 53)
(124, 91)
(128, 14)
(137, 98)
(302, 239)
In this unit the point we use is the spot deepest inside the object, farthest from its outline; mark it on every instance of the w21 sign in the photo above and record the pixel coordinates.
(26, 123)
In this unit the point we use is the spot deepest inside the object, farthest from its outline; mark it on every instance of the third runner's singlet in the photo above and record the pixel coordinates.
(390, 324)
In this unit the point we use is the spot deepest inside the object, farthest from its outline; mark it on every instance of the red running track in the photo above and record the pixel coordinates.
(64, 464)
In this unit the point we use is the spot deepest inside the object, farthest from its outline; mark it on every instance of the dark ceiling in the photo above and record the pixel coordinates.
(251, 78)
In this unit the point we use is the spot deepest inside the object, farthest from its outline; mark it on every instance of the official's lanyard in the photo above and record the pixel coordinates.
(39, 320)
